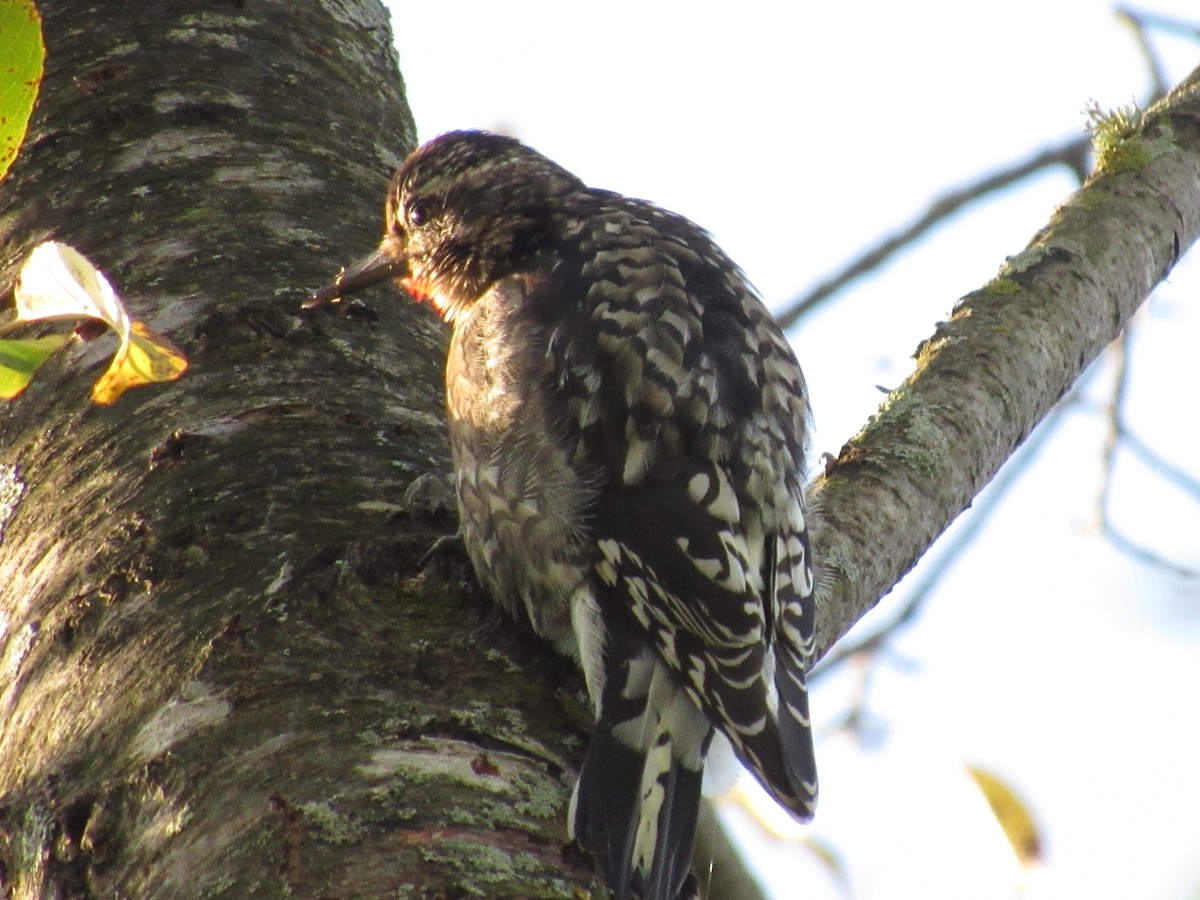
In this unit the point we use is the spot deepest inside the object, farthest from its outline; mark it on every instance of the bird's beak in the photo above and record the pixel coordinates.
(372, 269)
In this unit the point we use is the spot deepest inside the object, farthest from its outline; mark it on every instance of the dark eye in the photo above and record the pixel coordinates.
(419, 212)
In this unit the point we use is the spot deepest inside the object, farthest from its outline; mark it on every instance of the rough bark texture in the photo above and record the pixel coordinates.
(989, 375)
(221, 673)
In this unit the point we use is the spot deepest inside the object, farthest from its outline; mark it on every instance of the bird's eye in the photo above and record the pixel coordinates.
(419, 212)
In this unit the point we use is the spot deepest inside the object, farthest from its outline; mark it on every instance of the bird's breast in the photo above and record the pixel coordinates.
(522, 504)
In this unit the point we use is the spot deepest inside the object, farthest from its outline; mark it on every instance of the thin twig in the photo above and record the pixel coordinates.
(1160, 465)
(1120, 437)
(1072, 153)
(1139, 25)
(1112, 437)
(1148, 20)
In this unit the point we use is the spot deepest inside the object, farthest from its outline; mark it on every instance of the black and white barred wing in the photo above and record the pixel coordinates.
(687, 584)
(691, 406)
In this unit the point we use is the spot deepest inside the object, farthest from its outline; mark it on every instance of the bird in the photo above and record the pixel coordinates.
(628, 428)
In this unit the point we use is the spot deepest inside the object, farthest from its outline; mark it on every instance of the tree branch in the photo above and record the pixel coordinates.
(951, 551)
(1072, 153)
(987, 377)
(1119, 438)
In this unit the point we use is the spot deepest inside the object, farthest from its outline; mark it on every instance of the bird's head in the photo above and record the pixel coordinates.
(465, 210)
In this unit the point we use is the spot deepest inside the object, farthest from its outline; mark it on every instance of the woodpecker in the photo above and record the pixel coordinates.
(627, 425)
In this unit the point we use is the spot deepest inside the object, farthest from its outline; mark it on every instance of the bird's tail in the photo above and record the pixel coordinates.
(638, 796)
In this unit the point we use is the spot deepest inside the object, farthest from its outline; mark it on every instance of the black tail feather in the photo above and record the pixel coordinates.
(676, 833)
(607, 812)
(795, 735)
(605, 806)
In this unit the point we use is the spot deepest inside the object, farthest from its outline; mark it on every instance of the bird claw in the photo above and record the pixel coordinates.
(447, 547)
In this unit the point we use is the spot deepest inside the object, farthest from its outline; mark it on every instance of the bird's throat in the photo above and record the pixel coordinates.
(424, 291)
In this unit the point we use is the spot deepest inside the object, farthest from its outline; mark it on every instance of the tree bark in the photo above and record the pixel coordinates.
(222, 672)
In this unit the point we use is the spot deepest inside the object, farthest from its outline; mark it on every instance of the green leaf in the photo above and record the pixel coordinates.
(20, 73)
(19, 359)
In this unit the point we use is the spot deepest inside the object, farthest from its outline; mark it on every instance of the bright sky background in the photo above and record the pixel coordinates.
(797, 133)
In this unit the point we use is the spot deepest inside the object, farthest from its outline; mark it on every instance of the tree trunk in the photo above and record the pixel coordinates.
(222, 672)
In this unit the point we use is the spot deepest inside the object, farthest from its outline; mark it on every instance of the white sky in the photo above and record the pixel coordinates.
(798, 133)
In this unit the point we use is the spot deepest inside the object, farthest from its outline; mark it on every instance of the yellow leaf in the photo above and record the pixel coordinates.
(1012, 814)
(829, 857)
(146, 358)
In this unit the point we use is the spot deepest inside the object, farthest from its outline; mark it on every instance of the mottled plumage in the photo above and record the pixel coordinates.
(627, 425)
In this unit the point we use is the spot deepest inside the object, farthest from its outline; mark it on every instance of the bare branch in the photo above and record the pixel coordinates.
(1142, 554)
(1073, 154)
(1162, 466)
(1141, 23)
(952, 550)
(1118, 438)
(1010, 350)
(1147, 20)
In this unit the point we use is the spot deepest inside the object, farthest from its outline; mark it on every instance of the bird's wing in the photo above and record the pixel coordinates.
(689, 408)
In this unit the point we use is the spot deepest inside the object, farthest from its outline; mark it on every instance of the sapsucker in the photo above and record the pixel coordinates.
(627, 425)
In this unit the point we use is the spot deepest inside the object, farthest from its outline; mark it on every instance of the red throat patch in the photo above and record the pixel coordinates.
(424, 292)
(418, 289)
